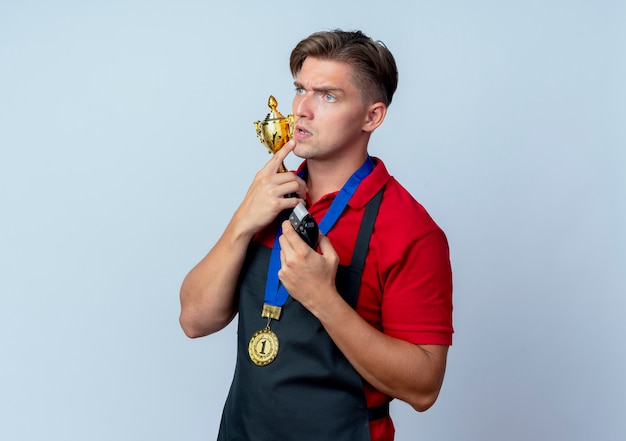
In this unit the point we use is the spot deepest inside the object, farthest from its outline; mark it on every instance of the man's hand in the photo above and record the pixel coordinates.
(307, 275)
(265, 198)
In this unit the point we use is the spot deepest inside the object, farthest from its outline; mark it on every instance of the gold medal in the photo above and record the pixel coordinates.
(263, 347)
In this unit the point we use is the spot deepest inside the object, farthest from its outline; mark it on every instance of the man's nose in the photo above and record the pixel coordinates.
(302, 106)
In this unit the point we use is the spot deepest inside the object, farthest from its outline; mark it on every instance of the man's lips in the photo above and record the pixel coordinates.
(301, 133)
(302, 130)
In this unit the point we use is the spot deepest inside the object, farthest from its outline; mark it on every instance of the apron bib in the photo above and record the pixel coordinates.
(310, 392)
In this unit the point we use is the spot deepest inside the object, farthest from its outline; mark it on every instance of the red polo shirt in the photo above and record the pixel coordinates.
(406, 289)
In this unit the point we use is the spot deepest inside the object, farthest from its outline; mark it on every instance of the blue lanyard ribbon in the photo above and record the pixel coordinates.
(275, 293)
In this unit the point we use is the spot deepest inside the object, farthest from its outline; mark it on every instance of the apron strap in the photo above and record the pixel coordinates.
(358, 261)
(378, 412)
(365, 232)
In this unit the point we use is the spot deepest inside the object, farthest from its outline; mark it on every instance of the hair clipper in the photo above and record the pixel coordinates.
(305, 225)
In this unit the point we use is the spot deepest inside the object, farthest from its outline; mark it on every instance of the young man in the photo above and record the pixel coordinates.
(368, 315)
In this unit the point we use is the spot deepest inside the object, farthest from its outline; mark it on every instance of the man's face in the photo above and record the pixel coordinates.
(329, 111)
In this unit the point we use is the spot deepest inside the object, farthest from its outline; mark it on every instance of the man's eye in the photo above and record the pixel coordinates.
(299, 91)
(329, 97)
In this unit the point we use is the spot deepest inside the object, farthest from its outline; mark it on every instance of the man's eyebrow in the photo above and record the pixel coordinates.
(319, 89)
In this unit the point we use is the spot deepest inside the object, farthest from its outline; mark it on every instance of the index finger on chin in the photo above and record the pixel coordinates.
(274, 164)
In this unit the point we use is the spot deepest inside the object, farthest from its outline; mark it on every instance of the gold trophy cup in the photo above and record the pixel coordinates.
(275, 130)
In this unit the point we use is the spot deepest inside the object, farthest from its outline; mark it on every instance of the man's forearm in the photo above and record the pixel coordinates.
(411, 373)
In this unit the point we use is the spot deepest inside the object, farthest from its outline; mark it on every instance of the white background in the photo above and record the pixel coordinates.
(126, 142)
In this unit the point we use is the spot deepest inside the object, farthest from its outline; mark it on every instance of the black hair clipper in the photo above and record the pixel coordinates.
(305, 225)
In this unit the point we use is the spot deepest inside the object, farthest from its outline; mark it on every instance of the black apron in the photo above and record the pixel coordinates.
(310, 392)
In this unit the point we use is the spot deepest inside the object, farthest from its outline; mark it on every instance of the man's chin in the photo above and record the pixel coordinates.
(300, 152)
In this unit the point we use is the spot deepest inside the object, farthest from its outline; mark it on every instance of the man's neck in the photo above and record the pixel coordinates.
(324, 177)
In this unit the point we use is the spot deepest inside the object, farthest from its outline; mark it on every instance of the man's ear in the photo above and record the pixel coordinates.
(375, 116)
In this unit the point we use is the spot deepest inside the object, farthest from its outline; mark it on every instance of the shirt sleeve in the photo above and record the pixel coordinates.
(417, 292)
